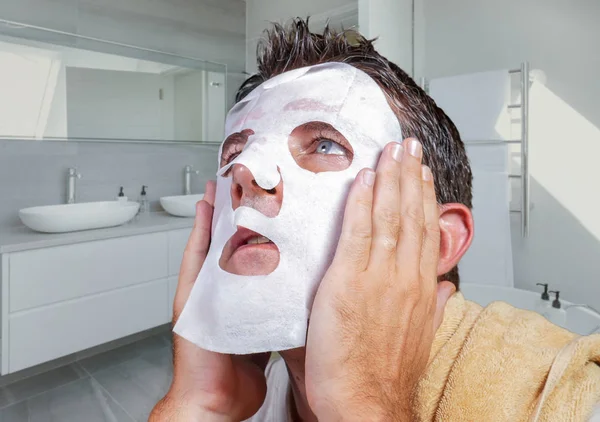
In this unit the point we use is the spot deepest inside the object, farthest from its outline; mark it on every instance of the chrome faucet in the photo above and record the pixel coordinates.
(72, 185)
(583, 305)
(187, 186)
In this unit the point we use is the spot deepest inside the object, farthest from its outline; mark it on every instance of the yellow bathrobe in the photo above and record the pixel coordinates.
(493, 364)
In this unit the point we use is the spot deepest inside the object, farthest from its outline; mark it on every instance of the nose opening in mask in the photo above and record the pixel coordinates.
(257, 159)
(247, 192)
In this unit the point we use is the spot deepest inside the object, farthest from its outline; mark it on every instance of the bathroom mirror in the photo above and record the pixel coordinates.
(57, 86)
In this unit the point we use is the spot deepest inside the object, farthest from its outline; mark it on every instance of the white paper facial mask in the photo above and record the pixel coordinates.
(240, 314)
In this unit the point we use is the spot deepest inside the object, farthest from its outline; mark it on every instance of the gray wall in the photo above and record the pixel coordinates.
(34, 173)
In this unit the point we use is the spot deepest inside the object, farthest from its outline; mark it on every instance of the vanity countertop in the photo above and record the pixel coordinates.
(16, 239)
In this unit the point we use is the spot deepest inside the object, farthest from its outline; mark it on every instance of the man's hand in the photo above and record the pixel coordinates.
(379, 305)
(207, 386)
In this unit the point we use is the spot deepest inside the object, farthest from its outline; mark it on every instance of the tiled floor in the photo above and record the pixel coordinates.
(121, 385)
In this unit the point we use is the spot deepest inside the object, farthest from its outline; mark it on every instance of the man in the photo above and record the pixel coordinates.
(387, 338)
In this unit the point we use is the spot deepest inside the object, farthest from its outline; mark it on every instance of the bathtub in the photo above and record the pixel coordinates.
(579, 320)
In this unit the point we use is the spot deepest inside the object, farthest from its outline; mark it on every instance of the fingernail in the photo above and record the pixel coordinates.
(426, 173)
(369, 177)
(397, 151)
(415, 149)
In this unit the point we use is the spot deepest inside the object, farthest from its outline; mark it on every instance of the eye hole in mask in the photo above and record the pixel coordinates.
(319, 147)
(315, 146)
(233, 146)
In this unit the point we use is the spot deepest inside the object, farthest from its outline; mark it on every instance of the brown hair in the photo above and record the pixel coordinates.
(294, 46)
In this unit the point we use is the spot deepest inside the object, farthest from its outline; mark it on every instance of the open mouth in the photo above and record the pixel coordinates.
(257, 240)
(249, 253)
(246, 237)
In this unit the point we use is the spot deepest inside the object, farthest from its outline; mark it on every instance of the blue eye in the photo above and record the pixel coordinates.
(327, 146)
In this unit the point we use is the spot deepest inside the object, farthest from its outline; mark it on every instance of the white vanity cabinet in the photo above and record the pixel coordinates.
(177, 241)
(62, 299)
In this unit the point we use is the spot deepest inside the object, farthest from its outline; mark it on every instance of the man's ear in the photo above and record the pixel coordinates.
(456, 234)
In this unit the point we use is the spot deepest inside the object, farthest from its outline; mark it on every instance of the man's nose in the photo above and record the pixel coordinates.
(246, 192)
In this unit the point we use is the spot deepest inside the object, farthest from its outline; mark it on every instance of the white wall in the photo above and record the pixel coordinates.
(561, 38)
(115, 104)
(391, 22)
(214, 115)
(188, 105)
(37, 77)
(212, 30)
(260, 13)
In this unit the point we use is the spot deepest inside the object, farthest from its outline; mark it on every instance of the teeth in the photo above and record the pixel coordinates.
(257, 240)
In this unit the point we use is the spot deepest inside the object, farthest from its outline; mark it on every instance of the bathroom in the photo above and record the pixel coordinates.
(112, 114)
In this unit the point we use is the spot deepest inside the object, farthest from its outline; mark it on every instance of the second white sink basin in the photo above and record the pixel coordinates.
(182, 205)
(75, 217)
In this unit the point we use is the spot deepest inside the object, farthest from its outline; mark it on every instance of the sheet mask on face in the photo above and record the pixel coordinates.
(240, 314)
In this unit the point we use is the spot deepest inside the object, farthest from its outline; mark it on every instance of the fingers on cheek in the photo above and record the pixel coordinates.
(199, 240)
(204, 212)
(388, 177)
(412, 221)
(387, 238)
(388, 210)
(429, 197)
(388, 169)
(431, 229)
(411, 202)
(431, 243)
(386, 214)
(357, 229)
(211, 188)
(357, 249)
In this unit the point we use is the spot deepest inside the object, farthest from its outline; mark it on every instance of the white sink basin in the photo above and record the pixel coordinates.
(182, 205)
(74, 217)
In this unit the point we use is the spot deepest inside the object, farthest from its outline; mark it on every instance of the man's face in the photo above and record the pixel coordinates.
(315, 146)
(292, 150)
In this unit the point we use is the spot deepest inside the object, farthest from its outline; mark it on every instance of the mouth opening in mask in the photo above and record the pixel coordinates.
(249, 253)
